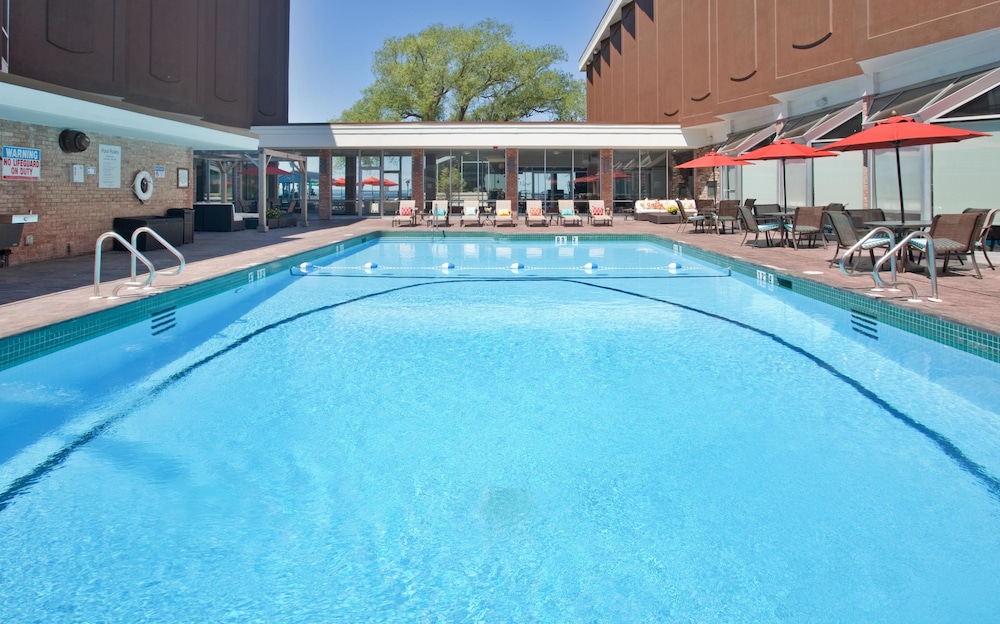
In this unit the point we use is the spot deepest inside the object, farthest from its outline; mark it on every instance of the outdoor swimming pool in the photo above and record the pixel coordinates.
(413, 431)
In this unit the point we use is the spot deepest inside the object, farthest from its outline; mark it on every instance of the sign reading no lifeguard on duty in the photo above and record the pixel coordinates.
(22, 163)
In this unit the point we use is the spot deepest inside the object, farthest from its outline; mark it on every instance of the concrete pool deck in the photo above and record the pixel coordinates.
(40, 294)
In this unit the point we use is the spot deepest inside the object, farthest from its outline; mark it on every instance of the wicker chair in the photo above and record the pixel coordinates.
(953, 235)
(807, 223)
(984, 233)
(847, 237)
(750, 225)
(729, 212)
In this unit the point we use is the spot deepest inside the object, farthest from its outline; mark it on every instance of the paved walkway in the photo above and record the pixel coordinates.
(42, 293)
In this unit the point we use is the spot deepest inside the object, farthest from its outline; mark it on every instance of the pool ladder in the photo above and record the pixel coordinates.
(131, 246)
(890, 257)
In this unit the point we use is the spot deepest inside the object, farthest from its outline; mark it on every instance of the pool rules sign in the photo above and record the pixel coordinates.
(22, 163)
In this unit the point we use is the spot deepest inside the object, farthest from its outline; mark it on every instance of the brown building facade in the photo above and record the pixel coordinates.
(225, 61)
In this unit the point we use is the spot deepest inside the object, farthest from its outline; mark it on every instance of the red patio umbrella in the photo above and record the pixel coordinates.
(339, 182)
(712, 160)
(785, 150)
(373, 181)
(901, 131)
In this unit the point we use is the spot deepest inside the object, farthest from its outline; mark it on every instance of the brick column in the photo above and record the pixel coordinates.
(324, 205)
(607, 177)
(510, 175)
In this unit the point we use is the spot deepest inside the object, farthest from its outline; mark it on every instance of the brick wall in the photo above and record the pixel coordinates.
(72, 215)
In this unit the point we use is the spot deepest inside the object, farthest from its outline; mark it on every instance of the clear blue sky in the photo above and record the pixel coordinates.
(332, 41)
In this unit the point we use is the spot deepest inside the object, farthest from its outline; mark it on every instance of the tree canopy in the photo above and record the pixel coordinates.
(468, 74)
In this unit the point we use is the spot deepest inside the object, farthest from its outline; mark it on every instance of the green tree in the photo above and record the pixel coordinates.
(468, 74)
(450, 183)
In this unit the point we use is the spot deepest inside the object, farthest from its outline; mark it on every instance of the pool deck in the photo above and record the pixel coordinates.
(39, 294)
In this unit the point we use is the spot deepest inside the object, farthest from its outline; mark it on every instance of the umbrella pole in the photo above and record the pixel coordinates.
(784, 185)
(899, 181)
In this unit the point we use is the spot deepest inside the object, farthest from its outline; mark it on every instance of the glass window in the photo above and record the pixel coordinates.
(760, 181)
(886, 192)
(653, 181)
(839, 180)
(586, 174)
(962, 170)
(625, 178)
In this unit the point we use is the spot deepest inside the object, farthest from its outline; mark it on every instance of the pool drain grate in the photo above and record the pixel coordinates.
(864, 323)
(163, 320)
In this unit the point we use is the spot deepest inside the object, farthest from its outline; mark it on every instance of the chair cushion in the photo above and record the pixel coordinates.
(875, 241)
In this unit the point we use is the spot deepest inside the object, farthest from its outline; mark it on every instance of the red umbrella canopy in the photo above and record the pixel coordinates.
(340, 182)
(901, 131)
(784, 149)
(272, 170)
(712, 159)
(373, 181)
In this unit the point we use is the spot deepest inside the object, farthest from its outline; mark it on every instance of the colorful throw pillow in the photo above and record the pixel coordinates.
(566, 211)
(597, 211)
(535, 211)
(406, 211)
(503, 212)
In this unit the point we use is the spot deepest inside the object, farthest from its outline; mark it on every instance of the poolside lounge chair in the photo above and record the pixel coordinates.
(846, 237)
(407, 213)
(807, 223)
(504, 215)
(439, 213)
(953, 235)
(567, 214)
(750, 226)
(470, 212)
(600, 214)
(533, 213)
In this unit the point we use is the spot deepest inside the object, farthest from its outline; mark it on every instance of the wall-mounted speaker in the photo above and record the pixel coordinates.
(73, 141)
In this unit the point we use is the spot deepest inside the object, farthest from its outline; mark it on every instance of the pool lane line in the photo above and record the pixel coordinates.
(941, 441)
(977, 471)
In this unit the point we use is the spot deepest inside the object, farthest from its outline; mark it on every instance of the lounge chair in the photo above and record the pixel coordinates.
(953, 235)
(504, 215)
(567, 214)
(807, 223)
(750, 226)
(439, 213)
(533, 213)
(599, 214)
(470, 212)
(407, 213)
(846, 237)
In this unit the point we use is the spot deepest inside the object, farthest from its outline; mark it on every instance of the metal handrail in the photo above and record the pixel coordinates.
(857, 247)
(135, 254)
(166, 245)
(930, 263)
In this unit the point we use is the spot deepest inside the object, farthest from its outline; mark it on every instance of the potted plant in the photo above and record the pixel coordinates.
(273, 217)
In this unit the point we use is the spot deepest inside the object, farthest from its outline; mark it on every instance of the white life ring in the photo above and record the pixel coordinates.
(142, 186)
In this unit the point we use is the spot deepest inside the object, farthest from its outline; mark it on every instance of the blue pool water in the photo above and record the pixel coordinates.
(649, 439)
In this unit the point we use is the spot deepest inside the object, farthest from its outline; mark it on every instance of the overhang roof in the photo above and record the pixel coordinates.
(33, 102)
(528, 134)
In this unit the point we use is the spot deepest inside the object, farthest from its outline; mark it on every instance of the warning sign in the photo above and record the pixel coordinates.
(22, 163)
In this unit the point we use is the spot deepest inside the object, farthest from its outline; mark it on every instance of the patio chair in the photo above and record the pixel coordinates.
(691, 215)
(407, 214)
(504, 215)
(750, 225)
(470, 212)
(728, 213)
(533, 213)
(439, 213)
(807, 223)
(953, 235)
(567, 214)
(599, 214)
(846, 237)
(984, 233)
